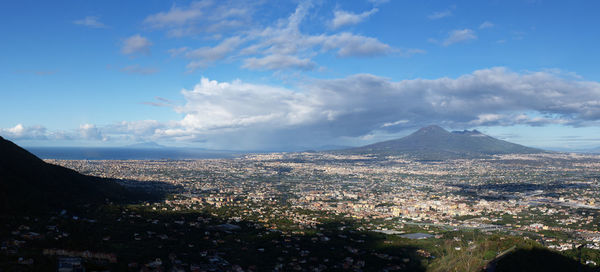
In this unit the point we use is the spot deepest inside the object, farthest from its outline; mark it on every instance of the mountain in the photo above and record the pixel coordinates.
(27, 183)
(146, 145)
(436, 143)
(595, 150)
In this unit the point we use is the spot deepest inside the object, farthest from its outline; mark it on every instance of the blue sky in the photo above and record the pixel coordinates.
(280, 75)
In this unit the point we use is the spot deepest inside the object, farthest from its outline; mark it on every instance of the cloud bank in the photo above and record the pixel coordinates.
(254, 116)
(364, 104)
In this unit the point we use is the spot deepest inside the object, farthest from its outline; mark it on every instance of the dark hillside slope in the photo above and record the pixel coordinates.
(536, 259)
(29, 184)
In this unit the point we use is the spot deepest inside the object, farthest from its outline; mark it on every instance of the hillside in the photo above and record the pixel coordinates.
(436, 143)
(29, 184)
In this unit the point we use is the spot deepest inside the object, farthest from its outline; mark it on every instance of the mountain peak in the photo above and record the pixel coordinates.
(435, 143)
(431, 129)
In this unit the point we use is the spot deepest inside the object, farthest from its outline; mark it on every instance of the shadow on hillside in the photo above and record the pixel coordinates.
(138, 235)
(55, 188)
(147, 191)
(536, 259)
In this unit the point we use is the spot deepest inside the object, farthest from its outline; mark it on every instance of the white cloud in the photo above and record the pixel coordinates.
(459, 35)
(278, 62)
(281, 45)
(20, 132)
(136, 44)
(487, 118)
(217, 110)
(90, 21)
(16, 130)
(214, 105)
(177, 16)
(343, 18)
(174, 52)
(204, 56)
(365, 104)
(36, 132)
(286, 39)
(137, 130)
(91, 132)
(348, 44)
(202, 17)
(440, 14)
(399, 122)
(486, 24)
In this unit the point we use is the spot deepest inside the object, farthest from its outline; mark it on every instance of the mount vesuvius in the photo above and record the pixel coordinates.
(436, 143)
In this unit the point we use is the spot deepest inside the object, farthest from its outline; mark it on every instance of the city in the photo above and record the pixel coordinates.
(549, 198)
(300, 135)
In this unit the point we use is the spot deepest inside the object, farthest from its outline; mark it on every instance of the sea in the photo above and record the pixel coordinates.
(124, 153)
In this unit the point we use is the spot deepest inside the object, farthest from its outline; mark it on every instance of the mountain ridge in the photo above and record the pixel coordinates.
(153, 145)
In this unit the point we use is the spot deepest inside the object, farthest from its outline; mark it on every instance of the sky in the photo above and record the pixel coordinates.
(287, 75)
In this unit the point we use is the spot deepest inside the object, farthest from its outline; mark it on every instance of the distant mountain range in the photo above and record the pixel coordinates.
(27, 183)
(146, 145)
(594, 150)
(436, 143)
